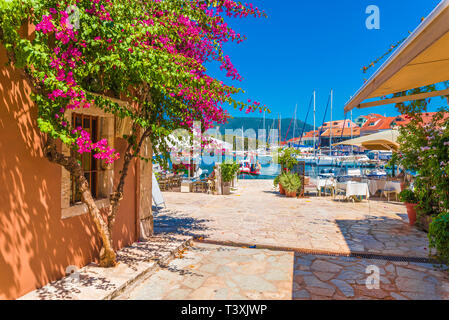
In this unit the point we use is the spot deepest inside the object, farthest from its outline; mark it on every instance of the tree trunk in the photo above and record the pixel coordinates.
(71, 164)
(108, 257)
(115, 198)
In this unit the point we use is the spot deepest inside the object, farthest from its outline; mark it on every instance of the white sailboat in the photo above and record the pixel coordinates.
(323, 160)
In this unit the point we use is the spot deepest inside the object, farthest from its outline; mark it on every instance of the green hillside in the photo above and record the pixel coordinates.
(257, 123)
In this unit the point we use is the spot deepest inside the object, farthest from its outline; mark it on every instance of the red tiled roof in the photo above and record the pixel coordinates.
(293, 140)
(306, 135)
(338, 132)
(375, 122)
(427, 118)
(339, 124)
(311, 134)
(386, 123)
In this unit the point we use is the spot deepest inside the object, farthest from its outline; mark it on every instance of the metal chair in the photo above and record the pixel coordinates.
(387, 192)
(176, 181)
(199, 186)
(164, 184)
(211, 188)
(340, 191)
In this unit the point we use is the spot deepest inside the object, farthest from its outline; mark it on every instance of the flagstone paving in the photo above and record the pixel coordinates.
(219, 272)
(216, 272)
(337, 278)
(259, 215)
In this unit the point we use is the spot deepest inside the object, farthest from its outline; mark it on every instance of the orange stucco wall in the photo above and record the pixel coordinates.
(36, 245)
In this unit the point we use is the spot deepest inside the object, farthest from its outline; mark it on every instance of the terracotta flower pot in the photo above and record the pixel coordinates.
(424, 222)
(281, 189)
(411, 212)
(291, 194)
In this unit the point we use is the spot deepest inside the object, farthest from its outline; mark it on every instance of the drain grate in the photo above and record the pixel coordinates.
(360, 255)
(393, 258)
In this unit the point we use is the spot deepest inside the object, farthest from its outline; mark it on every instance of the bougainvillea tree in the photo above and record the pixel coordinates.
(138, 59)
(424, 149)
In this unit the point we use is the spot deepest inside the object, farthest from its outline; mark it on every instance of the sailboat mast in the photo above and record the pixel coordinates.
(294, 125)
(243, 142)
(332, 123)
(269, 132)
(314, 122)
(280, 129)
(264, 122)
(352, 147)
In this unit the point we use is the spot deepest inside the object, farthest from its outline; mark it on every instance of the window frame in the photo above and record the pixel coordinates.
(106, 130)
(92, 174)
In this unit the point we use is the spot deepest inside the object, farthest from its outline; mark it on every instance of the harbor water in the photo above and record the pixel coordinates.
(270, 170)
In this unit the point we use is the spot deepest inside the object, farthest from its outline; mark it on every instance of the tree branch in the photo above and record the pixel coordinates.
(71, 164)
(117, 196)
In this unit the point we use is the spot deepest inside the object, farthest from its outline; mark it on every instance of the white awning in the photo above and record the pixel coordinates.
(423, 59)
(384, 140)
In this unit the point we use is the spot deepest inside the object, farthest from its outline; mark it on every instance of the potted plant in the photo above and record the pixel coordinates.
(277, 182)
(291, 183)
(287, 159)
(228, 172)
(409, 198)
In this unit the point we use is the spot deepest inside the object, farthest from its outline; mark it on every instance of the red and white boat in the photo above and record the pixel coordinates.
(247, 168)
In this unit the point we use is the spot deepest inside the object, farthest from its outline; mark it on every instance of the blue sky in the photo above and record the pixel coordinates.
(306, 45)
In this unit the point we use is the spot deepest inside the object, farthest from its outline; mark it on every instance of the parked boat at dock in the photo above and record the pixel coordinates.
(247, 168)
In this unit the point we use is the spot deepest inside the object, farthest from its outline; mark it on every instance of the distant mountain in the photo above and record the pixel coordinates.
(257, 123)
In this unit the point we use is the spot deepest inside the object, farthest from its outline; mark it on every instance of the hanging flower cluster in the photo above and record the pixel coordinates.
(425, 150)
(158, 46)
(66, 57)
(100, 148)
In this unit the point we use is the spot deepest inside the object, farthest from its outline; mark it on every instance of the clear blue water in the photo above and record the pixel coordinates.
(270, 170)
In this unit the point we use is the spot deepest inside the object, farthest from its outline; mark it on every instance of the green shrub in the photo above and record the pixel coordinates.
(277, 180)
(229, 171)
(424, 149)
(287, 158)
(408, 196)
(290, 182)
(439, 235)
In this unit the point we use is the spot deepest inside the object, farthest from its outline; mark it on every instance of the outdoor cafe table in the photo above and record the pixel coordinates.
(376, 185)
(354, 189)
(323, 183)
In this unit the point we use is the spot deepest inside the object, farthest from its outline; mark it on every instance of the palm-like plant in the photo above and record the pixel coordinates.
(290, 182)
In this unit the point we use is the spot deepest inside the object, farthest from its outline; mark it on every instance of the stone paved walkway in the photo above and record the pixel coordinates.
(94, 283)
(218, 272)
(336, 278)
(209, 272)
(257, 214)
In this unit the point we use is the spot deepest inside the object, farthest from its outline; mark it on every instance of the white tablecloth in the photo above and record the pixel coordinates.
(376, 185)
(354, 188)
(323, 182)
